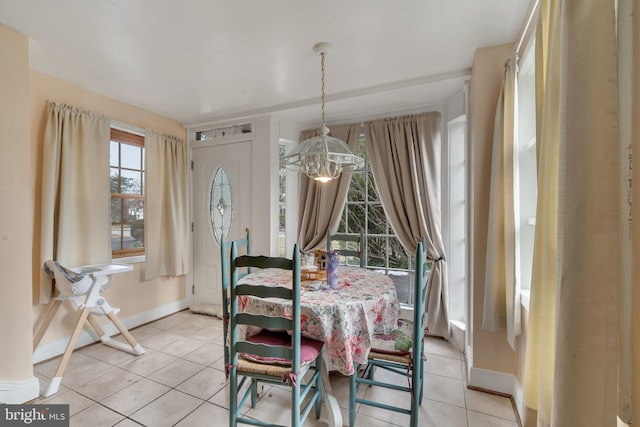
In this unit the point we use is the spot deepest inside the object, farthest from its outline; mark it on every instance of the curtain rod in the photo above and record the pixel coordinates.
(525, 29)
(127, 127)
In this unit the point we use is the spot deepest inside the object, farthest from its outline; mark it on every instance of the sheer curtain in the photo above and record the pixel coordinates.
(321, 204)
(501, 292)
(76, 227)
(166, 223)
(404, 153)
(572, 340)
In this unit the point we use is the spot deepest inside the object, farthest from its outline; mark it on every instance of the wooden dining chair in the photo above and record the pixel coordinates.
(400, 352)
(349, 246)
(278, 354)
(243, 245)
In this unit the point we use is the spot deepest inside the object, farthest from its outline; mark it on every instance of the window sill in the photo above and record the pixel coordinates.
(525, 298)
(138, 259)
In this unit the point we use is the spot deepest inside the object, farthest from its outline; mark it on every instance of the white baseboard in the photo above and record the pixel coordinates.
(458, 334)
(518, 398)
(17, 393)
(56, 348)
(491, 380)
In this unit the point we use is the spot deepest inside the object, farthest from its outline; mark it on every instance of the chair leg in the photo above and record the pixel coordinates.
(319, 389)
(57, 376)
(233, 398)
(52, 309)
(254, 392)
(295, 404)
(353, 389)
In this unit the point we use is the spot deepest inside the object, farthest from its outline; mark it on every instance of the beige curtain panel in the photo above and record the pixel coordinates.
(405, 154)
(502, 285)
(166, 224)
(321, 204)
(572, 340)
(76, 227)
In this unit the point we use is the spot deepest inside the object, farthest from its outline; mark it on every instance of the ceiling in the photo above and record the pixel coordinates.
(199, 61)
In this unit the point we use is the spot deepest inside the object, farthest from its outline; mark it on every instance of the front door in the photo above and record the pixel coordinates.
(235, 159)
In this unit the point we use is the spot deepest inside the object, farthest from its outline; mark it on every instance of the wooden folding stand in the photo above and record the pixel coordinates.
(83, 286)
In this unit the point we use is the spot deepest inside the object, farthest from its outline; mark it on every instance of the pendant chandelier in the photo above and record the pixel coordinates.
(322, 157)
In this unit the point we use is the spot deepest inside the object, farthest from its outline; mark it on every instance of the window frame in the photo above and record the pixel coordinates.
(402, 276)
(124, 137)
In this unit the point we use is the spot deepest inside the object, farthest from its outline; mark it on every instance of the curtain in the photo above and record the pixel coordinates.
(166, 223)
(635, 214)
(628, 33)
(572, 341)
(321, 204)
(404, 153)
(76, 227)
(502, 285)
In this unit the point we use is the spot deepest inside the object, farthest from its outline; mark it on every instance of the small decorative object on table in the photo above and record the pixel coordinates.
(332, 259)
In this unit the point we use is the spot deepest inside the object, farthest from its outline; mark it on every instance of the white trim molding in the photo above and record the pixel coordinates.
(492, 381)
(19, 392)
(56, 348)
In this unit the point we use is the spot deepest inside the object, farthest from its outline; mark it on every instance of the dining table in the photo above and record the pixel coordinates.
(344, 317)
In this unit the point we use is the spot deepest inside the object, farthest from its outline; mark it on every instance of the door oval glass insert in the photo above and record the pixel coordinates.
(220, 205)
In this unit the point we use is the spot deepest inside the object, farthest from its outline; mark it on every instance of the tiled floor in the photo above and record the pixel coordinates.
(180, 382)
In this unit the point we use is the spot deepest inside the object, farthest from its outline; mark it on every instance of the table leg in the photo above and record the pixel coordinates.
(333, 408)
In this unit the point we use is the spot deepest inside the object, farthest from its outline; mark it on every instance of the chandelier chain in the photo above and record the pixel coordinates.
(322, 55)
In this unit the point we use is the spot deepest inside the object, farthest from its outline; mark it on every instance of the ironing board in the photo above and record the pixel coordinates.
(83, 286)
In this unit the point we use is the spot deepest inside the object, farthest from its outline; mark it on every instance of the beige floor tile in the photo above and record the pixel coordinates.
(169, 322)
(443, 365)
(388, 397)
(363, 420)
(108, 354)
(182, 346)
(340, 386)
(64, 396)
(206, 414)
(95, 416)
(149, 363)
(79, 375)
(100, 387)
(145, 331)
(442, 347)
(210, 333)
(476, 419)
(188, 386)
(490, 404)
(433, 413)
(188, 326)
(135, 397)
(221, 398)
(205, 355)
(167, 410)
(443, 389)
(127, 423)
(160, 341)
(275, 407)
(204, 384)
(176, 372)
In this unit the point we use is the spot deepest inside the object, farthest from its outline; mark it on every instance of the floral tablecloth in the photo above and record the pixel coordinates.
(345, 318)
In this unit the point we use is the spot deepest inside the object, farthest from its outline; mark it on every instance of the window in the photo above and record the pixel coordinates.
(127, 193)
(525, 167)
(363, 211)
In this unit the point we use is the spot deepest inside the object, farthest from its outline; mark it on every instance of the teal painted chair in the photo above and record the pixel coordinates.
(400, 352)
(274, 355)
(349, 245)
(243, 245)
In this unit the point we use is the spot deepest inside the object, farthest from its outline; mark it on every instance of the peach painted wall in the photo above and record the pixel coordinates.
(16, 211)
(490, 350)
(130, 292)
